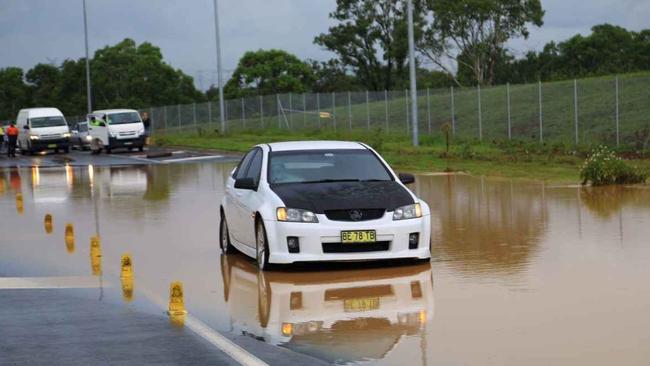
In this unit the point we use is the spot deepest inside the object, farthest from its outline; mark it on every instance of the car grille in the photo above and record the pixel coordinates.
(379, 246)
(51, 136)
(355, 214)
(130, 133)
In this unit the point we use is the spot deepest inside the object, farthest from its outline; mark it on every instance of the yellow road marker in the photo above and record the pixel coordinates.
(48, 223)
(19, 203)
(69, 238)
(127, 288)
(127, 266)
(176, 308)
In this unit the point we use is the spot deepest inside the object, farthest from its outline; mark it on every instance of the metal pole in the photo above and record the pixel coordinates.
(367, 110)
(219, 74)
(429, 110)
(178, 107)
(165, 111)
(243, 113)
(414, 90)
(304, 110)
(480, 117)
(334, 109)
(508, 103)
(406, 103)
(277, 105)
(261, 111)
(453, 113)
(618, 141)
(194, 113)
(210, 112)
(349, 110)
(386, 106)
(575, 107)
(318, 107)
(88, 83)
(541, 119)
(290, 109)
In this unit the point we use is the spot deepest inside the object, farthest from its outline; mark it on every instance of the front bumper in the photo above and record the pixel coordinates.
(315, 237)
(128, 142)
(49, 144)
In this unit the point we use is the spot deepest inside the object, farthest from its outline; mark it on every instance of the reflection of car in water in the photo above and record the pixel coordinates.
(121, 181)
(51, 185)
(334, 315)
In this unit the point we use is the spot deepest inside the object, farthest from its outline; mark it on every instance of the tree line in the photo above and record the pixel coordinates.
(458, 42)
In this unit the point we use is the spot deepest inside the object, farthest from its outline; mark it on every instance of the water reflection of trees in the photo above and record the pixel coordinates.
(482, 225)
(606, 201)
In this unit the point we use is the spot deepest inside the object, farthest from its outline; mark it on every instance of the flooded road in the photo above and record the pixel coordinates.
(522, 273)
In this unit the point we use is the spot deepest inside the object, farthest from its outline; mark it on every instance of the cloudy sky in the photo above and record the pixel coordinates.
(33, 31)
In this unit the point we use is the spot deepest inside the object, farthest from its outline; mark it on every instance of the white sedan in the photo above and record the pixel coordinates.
(321, 201)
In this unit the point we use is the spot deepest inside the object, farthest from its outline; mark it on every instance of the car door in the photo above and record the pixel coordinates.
(234, 196)
(99, 132)
(250, 200)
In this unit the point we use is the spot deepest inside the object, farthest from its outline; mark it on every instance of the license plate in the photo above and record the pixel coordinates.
(358, 236)
(362, 304)
(51, 145)
(128, 143)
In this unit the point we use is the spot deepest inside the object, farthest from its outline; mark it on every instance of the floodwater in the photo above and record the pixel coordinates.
(522, 273)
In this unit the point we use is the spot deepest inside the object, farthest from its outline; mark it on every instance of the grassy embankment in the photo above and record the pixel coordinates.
(557, 160)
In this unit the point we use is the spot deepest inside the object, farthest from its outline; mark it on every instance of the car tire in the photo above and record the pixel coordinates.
(263, 299)
(261, 246)
(224, 236)
(141, 148)
(108, 149)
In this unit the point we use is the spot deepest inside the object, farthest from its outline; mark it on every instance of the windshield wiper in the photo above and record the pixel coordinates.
(331, 180)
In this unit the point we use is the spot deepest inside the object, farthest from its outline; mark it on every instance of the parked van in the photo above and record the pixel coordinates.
(42, 129)
(115, 128)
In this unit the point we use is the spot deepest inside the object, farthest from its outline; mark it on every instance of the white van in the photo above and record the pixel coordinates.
(42, 129)
(116, 128)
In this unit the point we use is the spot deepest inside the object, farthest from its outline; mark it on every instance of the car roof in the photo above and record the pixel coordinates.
(107, 111)
(315, 145)
(42, 112)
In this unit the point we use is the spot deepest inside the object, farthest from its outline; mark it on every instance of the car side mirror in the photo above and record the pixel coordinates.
(406, 178)
(102, 124)
(245, 183)
(26, 127)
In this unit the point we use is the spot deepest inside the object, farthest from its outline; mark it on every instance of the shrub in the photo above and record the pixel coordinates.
(603, 167)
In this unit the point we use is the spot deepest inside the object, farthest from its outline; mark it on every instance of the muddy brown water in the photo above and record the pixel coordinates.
(522, 273)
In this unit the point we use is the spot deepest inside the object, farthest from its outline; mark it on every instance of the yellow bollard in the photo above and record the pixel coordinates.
(48, 223)
(127, 266)
(69, 238)
(176, 310)
(127, 288)
(19, 203)
(95, 256)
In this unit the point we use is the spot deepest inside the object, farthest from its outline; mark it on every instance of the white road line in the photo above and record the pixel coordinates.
(150, 161)
(192, 158)
(13, 283)
(236, 352)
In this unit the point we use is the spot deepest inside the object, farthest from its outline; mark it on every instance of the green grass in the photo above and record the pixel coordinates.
(558, 163)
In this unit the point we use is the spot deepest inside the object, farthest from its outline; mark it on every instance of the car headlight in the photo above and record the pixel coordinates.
(89, 138)
(295, 215)
(33, 137)
(66, 135)
(408, 212)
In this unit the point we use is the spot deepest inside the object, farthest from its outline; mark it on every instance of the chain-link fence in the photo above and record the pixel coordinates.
(613, 111)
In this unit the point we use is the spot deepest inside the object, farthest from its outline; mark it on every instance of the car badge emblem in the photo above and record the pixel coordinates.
(356, 215)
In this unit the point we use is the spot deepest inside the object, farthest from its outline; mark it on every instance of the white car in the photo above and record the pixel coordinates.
(118, 128)
(321, 201)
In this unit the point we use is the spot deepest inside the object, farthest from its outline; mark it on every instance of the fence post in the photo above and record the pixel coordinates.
(318, 108)
(349, 110)
(290, 109)
(367, 110)
(429, 110)
(541, 118)
(165, 112)
(618, 141)
(334, 109)
(178, 106)
(304, 110)
(508, 106)
(575, 108)
(480, 114)
(209, 112)
(262, 111)
(243, 113)
(194, 113)
(406, 103)
(386, 106)
(453, 113)
(153, 121)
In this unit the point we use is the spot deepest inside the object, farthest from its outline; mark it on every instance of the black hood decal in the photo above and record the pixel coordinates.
(318, 197)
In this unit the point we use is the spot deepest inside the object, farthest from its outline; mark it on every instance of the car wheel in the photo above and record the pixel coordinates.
(224, 236)
(107, 149)
(262, 246)
(263, 299)
(141, 148)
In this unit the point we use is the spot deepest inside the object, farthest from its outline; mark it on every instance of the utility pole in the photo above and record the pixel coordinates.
(414, 91)
(88, 87)
(219, 75)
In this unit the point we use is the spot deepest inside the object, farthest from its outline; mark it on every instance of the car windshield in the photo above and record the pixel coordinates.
(47, 121)
(82, 127)
(123, 118)
(316, 166)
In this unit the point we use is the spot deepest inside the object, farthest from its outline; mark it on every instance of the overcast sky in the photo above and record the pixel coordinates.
(33, 31)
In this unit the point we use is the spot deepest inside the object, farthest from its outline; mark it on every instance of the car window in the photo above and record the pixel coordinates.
(82, 127)
(255, 167)
(243, 165)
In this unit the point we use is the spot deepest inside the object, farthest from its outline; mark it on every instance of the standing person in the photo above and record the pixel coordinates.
(2, 138)
(12, 138)
(146, 121)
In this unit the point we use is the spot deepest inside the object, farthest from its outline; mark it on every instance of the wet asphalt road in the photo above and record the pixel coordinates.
(523, 273)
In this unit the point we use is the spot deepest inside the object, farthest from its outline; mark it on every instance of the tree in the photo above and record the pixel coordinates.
(477, 30)
(371, 39)
(269, 72)
(14, 94)
(331, 76)
(44, 80)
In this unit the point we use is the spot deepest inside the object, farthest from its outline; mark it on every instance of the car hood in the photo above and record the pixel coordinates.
(318, 197)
